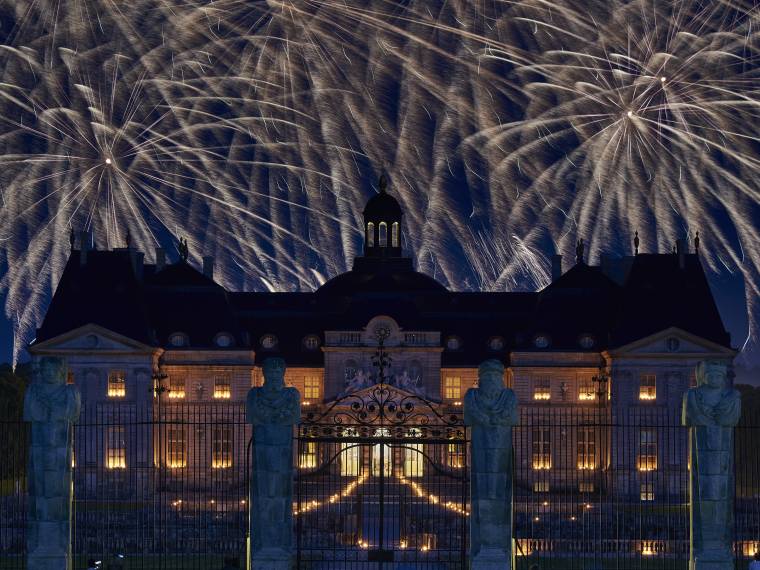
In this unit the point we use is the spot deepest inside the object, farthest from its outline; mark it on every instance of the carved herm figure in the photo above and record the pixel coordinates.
(491, 411)
(51, 406)
(711, 410)
(273, 410)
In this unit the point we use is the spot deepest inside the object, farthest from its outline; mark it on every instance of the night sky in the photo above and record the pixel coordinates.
(257, 131)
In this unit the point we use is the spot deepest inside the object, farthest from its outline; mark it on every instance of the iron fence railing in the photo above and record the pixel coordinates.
(14, 458)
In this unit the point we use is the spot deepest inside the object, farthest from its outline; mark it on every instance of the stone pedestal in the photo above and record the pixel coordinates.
(491, 410)
(272, 559)
(51, 406)
(711, 410)
(273, 410)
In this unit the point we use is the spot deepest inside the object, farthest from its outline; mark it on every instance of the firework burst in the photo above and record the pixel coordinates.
(257, 128)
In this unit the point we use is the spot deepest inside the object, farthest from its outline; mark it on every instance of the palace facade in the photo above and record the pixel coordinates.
(613, 339)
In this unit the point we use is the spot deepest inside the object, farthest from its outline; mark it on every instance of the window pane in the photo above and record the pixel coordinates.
(117, 384)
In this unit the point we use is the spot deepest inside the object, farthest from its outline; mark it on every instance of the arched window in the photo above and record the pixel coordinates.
(383, 237)
(370, 234)
(394, 234)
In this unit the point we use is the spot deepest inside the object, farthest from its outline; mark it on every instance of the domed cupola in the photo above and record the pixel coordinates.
(382, 224)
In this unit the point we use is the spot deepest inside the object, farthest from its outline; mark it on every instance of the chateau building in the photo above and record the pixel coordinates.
(609, 339)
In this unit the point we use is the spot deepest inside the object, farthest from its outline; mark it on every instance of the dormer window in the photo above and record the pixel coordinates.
(496, 343)
(541, 341)
(268, 341)
(382, 239)
(223, 340)
(586, 341)
(453, 343)
(311, 342)
(178, 339)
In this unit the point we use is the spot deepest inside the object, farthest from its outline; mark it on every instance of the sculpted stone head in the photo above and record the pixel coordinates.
(491, 377)
(712, 373)
(49, 370)
(274, 373)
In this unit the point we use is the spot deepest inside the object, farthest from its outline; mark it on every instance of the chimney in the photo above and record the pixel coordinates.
(208, 266)
(556, 266)
(160, 259)
(85, 239)
(681, 251)
(137, 258)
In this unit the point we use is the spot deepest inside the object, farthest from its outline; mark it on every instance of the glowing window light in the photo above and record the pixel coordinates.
(586, 448)
(541, 458)
(222, 387)
(648, 387)
(308, 456)
(452, 387)
(311, 388)
(176, 387)
(394, 234)
(221, 448)
(117, 384)
(651, 547)
(586, 390)
(542, 389)
(176, 448)
(414, 460)
(456, 455)
(646, 460)
(116, 448)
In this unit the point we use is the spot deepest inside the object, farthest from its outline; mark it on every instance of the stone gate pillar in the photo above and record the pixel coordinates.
(273, 410)
(711, 410)
(51, 406)
(491, 411)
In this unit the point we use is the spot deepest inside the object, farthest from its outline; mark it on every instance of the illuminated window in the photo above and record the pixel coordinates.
(456, 455)
(586, 390)
(222, 387)
(350, 456)
(541, 487)
(350, 459)
(308, 456)
(414, 460)
(542, 448)
(382, 238)
(117, 384)
(586, 448)
(221, 448)
(176, 447)
(176, 387)
(382, 455)
(116, 448)
(311, 386)
(647, 458)
(394, 234)
(541, 389)
(370, 235)
(585, 487)
(647, 492)
(452, 387)
(70, 377)
(648, 387)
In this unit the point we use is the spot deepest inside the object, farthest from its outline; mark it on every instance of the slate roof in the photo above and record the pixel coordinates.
(141, 302)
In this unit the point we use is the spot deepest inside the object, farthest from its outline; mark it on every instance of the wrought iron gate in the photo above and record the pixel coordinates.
(382, 483)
